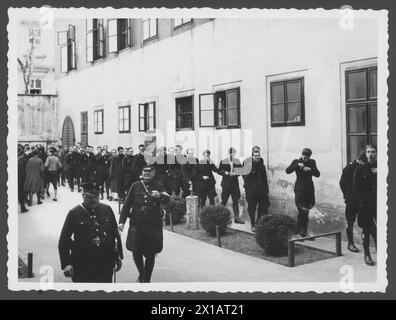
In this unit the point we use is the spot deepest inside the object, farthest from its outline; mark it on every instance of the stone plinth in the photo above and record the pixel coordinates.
(192, 213)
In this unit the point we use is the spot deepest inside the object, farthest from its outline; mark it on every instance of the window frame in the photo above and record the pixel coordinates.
(98, 39)
(179, 128)
(362, 103)
(146, 117)
(68, 48)
(224, 92)
(285, 102)
(123, 107)
(82, 131)
(150, 37)
(96, 121)
(208, 110)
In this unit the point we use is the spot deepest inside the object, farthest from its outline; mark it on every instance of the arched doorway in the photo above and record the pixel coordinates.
(68, 136)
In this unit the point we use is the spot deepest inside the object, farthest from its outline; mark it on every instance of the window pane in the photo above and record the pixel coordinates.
(373, 118)
(62, 38)
(153, 27)
(357, 119)
(120, 125)
(126, 125)
(206, 102)
(207, 118)
(120, 113)
(151, 110)
(151, 123)
(178, 21)
(232, 116)
(90, 46)
(72, 32)
(293, 112)
(113, 44)
(232, 99)
(146, 29)
(356, 82)
(356, 146)
(277, 113)
(141, 124)
(373, 83)
(277, 93)
(113, 27)
(293, 91)
(373, 139)
(64, 59)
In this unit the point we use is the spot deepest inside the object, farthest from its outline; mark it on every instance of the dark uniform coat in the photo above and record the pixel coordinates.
(255, 178)
(304, 187)
(101, 169)
(351, 203)
(162, 172)
(230, 184)
(139, 163)
(175, 172)
(189, 171)
(92, 251)
(129, 172)
(145, 217)
(364, 187)
(204, 187)
(34, 175)
(116, 174)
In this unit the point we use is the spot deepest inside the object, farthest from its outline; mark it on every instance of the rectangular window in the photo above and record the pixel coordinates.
(149, 28)
(361, 109)
(94, 39)
(185, 113)
(119, 34)
(35, 86)
(98, 121)
(124, 119)
(180, 21)
(84, 129)
(287, 103)
(227, 108)
(67, 43)
(147, 116)
(206, 110)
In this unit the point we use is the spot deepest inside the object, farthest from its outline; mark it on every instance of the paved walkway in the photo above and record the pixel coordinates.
(182, 260)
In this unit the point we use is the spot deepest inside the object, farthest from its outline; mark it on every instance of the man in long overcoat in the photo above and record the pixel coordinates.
(34, 177)
(116, 174)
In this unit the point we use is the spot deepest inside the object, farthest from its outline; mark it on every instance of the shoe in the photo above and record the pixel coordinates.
(48, 194)
(352, 247)
(368, 260)
(310, 239)
(55, 199)
(237, 220)
(23, 210)
(101, 197)
(39, 202)
(29, 203)
(116, 199)
(139, 279)
(62, 184)
(79, 190)
(254, 229)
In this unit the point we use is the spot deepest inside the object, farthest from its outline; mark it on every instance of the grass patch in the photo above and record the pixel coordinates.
(245, 243)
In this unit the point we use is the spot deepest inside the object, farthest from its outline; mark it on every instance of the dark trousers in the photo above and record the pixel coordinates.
(21, 194)
(351, 211)
(94, 276)
(235, 196)
(255, 202)
(72, 176)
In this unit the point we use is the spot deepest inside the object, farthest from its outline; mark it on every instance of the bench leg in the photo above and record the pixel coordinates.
(290, 253)
(338, 244)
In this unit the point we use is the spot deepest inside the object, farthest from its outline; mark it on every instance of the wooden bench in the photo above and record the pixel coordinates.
(291, 245)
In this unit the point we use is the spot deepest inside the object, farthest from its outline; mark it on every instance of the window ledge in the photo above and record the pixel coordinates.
(180, 26)
(148, 40)
(184, 129)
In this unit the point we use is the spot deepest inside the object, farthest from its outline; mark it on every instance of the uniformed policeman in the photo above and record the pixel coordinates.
(351, 203)
(90, 245)
(145, 236)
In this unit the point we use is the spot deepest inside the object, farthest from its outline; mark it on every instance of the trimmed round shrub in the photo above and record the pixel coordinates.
(176, 207)
(215, 215)
(273, 232)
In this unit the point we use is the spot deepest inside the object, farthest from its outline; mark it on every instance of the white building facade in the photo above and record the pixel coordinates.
(281, 84)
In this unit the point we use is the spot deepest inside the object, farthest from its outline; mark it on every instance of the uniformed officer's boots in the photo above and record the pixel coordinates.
(351, 245)
(366, 247)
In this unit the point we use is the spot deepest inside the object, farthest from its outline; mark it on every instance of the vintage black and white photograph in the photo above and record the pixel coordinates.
(225, 150)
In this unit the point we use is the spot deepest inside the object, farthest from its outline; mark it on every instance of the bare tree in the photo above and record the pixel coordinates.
(27, 65)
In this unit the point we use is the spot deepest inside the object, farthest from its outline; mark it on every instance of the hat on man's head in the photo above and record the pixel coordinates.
(148, 168)
(91, 188)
